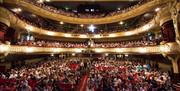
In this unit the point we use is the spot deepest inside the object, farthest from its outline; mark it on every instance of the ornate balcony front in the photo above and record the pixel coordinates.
(167, 48)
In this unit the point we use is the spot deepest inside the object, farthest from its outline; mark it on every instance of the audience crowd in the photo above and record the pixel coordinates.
(126, 76)
(123, 44)
(72, 28)
(102, 75)
(53, 75)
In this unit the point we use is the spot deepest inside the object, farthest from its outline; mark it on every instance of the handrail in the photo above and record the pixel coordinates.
(18, 23)
(116, 18)
(168, 48)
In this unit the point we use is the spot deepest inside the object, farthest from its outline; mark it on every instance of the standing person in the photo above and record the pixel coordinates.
(24, 86)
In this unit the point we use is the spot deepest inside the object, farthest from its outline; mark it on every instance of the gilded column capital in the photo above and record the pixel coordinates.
(1, 1)
(175, 17)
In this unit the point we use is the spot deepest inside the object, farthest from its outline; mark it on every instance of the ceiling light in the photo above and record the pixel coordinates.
(157, 9)
(61, 23)
(106, 54)
(121, 22)
(73, 54)
(17, 9)
(91, 28)
(81, 25)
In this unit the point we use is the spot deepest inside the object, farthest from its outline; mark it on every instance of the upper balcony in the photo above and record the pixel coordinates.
(54, 14)
(19, 23)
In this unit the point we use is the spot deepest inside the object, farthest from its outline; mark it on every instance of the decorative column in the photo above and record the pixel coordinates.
(166, 23)
(175, 17)
(175, 60)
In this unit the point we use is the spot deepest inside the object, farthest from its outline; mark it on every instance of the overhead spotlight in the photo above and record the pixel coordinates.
(81, 25)
(92, 28)
(121, 22)
(61, 23)
(157, 9)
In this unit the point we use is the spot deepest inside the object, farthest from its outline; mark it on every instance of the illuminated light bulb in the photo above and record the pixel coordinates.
(91, 28)
(61, 23)
(81, 25)
(157, 9)
(121, 22)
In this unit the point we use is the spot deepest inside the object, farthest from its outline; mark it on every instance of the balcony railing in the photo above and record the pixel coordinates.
(168, 48)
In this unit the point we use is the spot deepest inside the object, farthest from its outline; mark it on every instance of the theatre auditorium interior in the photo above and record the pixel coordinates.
(89, 45)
